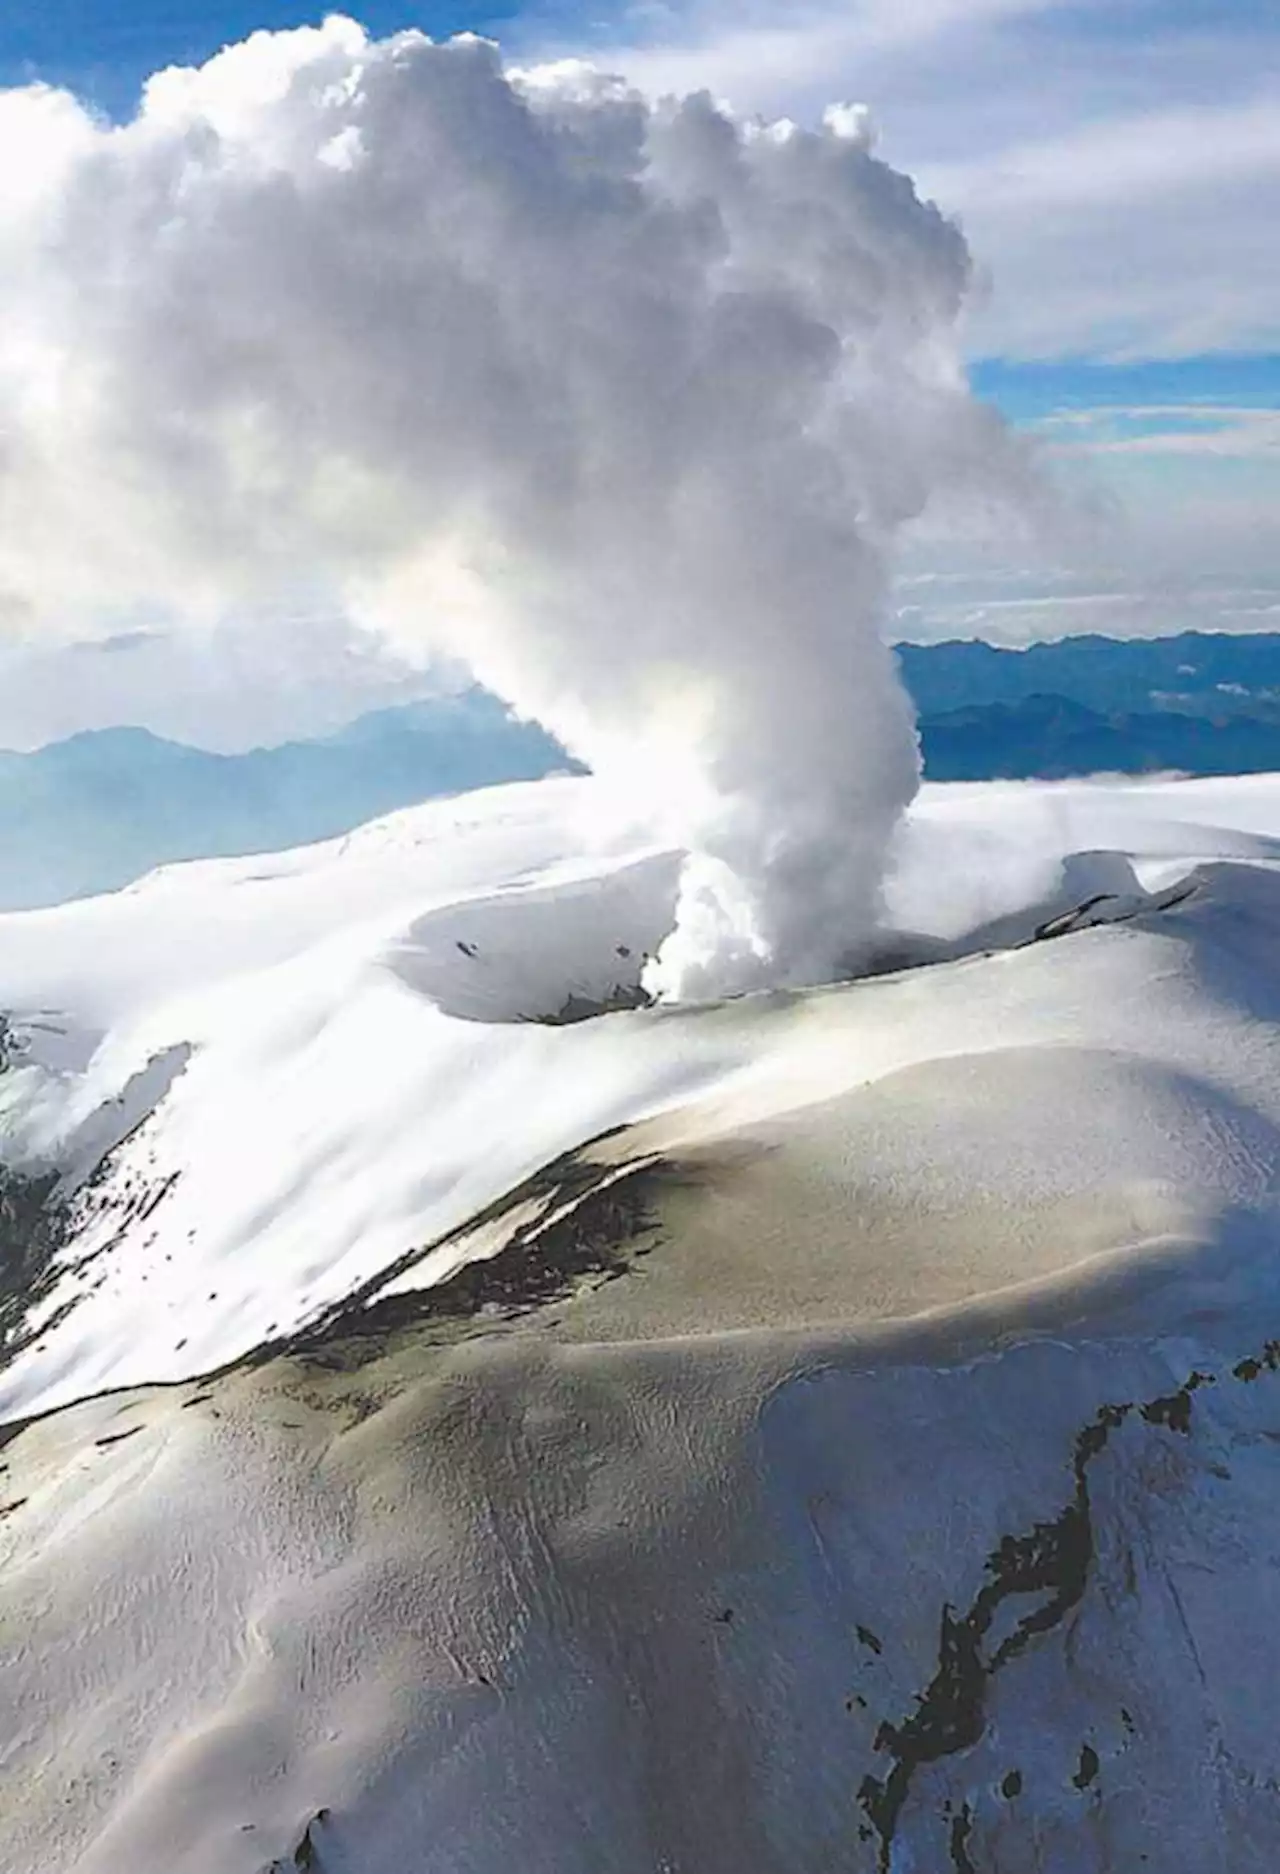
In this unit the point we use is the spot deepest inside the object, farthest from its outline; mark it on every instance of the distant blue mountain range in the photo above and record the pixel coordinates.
(1209, 674)
(92, 813)
(1199, 703)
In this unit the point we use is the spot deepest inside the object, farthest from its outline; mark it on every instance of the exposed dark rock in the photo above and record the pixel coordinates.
(34, 1227)
(1051, 1562)
(117, 1438)
(587, 1216)
(1268, 1361)
(305, 1858)
(961, 1829)
(1087, 1768)
(1174, 1411)
(577, 1008)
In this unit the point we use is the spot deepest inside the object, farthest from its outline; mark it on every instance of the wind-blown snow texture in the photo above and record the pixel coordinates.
(621, 402)
(624, 1518)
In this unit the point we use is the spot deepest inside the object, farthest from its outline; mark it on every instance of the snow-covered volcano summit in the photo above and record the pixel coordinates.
(262, 1084)
(815, 1429)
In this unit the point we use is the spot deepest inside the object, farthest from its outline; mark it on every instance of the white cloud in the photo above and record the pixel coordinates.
(769, 58)
(248, 682)
(1124, 161)
(1021, 606)
(1132, 237)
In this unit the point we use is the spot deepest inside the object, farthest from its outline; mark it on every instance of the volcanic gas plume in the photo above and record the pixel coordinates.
(620, 401)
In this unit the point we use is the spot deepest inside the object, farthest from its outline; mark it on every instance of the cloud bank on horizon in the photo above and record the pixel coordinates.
(622, 402)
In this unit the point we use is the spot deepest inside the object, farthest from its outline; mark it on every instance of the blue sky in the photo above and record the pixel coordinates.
(104, 49)
(1033, 390)
(1115, 165)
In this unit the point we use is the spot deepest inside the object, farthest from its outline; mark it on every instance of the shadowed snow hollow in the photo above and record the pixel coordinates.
(548, 953)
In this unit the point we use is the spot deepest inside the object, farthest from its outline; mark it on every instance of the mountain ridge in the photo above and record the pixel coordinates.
(99, 809)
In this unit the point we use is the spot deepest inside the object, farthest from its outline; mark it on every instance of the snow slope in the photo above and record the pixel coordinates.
(320, 1064)
(322, 1061)
(813, 1430)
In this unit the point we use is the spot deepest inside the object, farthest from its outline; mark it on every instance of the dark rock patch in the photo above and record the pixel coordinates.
(1088, 1767)
(587, 1217)
(576, 1008)
(34, 1228)
(116, 1438)
(1050, 1562)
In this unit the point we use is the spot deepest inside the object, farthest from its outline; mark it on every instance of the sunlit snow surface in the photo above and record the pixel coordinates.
(321, 1061)
(891, 1484)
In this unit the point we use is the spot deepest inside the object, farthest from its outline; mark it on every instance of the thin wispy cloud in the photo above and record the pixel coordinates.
(1168, 430)
(1126, 160)
(750, 54)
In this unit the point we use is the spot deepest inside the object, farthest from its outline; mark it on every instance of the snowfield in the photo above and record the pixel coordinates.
(819, 1429)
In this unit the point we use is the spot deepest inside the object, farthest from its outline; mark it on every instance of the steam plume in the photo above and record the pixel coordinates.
(621, 401)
